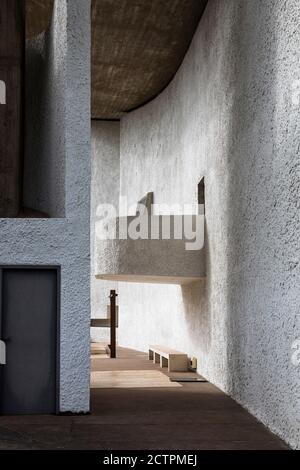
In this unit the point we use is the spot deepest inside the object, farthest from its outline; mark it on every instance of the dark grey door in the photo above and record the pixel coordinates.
(29, 330)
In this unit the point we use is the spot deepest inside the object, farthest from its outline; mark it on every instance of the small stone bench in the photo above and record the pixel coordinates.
(176, 361)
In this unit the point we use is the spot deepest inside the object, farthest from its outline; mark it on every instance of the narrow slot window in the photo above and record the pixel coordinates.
(201, 196)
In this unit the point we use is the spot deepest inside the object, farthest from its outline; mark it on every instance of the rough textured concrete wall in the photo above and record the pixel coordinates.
(232, 115)
(65, 241)
(104, 189)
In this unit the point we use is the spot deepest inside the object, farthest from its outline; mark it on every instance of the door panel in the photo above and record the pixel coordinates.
(28, 328)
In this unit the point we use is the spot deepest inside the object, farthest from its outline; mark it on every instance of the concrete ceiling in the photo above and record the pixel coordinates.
(137, 47)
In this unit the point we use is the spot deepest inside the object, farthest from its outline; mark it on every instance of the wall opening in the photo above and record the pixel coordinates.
(201, 196)
(11, 106)
(32, 176)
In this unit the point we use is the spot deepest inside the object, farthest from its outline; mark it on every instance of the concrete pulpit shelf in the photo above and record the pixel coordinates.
(157, 260)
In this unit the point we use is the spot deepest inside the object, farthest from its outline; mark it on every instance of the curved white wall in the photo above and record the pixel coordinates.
(104, 189)
(232, 115)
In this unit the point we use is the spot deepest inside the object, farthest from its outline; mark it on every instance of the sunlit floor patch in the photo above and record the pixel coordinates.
(131, 379)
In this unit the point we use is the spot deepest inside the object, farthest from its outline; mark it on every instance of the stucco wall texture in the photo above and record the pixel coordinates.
(105, 188)
(64, 241)
(232, 115)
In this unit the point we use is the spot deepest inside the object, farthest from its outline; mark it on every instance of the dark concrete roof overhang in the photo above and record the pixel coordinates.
(137, 47)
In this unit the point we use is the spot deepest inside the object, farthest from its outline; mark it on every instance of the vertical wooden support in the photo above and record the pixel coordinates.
(12, 55)
(113, 326)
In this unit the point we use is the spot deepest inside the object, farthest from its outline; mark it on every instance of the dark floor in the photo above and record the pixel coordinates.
(196, 416)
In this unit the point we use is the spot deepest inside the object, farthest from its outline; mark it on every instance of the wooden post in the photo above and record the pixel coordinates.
(12, 57)
(113, 348)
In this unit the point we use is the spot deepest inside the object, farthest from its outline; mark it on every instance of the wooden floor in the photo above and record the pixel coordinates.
(131, 379)
(193, 416)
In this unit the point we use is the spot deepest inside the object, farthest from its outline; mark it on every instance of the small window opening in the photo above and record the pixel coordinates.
(2, 92)
(201, 196)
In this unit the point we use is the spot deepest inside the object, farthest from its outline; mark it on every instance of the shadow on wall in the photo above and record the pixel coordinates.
(197, 315)
(44, 164)
(197, 308)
